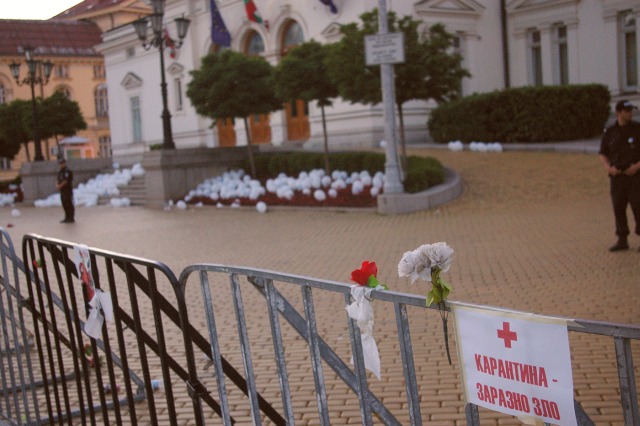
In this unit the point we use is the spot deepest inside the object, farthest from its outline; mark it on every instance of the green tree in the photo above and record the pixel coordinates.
(430, 70)
(14, 130)
(59, 116)
(302, 74)
(230, 84)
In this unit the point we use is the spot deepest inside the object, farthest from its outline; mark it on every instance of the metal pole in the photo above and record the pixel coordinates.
(36, 134)
(392, 183)
(166, 115)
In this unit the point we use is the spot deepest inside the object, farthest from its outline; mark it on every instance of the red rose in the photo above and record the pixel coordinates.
(361, 276)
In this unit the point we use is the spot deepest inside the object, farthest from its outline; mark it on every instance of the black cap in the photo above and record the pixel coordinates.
(625, 105)
(61, 161)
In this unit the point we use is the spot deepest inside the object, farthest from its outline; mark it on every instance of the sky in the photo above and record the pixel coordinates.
(34, 9)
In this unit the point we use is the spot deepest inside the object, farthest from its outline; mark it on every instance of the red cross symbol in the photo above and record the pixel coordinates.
(507, 334)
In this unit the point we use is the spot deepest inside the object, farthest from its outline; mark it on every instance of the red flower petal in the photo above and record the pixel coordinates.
(361, 276)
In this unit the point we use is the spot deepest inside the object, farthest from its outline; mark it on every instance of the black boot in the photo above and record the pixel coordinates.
(622, 244)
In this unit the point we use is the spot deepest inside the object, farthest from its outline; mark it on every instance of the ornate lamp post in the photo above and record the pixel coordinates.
(32, 79)
(161, 40)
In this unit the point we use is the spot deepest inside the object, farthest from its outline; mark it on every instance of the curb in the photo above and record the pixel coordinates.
(409, 203)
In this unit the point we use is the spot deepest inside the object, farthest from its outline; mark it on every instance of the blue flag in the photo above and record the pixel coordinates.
(331, 5)
(219, 33)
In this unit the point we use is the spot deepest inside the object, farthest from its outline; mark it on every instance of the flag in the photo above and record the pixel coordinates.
(219, 33)
(169, 43)
(331, 5)
(252, 11)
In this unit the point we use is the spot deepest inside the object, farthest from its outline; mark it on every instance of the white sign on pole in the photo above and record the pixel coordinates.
(384, 48)
(516, 364)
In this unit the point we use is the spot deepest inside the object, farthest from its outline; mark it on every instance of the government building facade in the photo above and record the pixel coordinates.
(508, 43)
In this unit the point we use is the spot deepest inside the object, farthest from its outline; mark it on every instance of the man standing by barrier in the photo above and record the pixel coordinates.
(620, 155)
(65, 186)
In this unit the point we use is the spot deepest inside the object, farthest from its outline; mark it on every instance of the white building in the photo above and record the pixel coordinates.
(504, 43)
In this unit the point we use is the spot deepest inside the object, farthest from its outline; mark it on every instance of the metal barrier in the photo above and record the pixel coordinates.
(18, 384)
(160, 324)
(272, 286)
(143, 294)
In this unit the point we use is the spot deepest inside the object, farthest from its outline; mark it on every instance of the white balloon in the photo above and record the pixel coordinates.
(261, 207)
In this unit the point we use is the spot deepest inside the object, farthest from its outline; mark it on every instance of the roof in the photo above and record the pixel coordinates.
(52, 37)
(93, 7)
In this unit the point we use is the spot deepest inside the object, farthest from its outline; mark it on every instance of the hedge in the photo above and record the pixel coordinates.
(422, 172)
(527, 114)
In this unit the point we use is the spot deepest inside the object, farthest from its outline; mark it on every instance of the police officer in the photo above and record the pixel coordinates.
(620, 155)
(65, 186)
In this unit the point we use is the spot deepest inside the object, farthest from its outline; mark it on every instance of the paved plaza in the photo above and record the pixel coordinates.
(530, 232)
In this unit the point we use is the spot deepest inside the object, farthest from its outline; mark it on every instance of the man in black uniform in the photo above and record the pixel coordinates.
(65, 186)
(620, 155)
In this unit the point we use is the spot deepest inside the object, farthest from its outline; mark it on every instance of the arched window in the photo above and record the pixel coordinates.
(3, 94)
(292, 36)
(102, 103)
(254, 44)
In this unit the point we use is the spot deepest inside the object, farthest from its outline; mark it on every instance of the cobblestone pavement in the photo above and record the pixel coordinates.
(530, 232)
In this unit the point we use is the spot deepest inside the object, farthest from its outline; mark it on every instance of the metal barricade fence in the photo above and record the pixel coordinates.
(142, 351)
(188, 339)
(275, 290)
(18, 384)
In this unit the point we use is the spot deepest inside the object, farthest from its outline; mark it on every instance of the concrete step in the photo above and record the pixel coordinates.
(135, 191)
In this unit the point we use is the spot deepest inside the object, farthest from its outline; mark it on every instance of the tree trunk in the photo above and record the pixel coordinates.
(403, 147)
(326, 142)
(26, 151)
(251, 162)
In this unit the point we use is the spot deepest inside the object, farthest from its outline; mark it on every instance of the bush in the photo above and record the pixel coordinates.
(528, 114)
(422, 172)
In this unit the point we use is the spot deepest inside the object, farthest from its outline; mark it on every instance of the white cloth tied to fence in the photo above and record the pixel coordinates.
(100, 305)
(362, 312)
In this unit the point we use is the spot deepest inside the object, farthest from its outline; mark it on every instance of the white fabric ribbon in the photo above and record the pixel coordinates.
(362, 312)
(101, 307)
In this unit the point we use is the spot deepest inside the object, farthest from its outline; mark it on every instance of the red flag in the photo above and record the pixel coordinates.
(168, 41)
(252, 11)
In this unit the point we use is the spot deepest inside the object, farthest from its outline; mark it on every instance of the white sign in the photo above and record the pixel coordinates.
(516, 364)
(384, 48)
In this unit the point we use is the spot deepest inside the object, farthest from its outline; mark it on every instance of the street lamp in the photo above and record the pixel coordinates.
(161, 40)
(32, 79)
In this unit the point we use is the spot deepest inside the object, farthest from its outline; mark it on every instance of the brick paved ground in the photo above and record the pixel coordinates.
(530, 233)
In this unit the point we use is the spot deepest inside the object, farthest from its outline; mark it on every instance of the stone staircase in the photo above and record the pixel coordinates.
(136, 192)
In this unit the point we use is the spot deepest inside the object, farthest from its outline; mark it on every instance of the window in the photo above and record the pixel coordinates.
(62, 71)
(293, 36)
(561, 58)
(3, 94)
(458, 48)
(101, 100)
(535, 58)
(5, 163)
(136, 119)
(177, 84)
(65, 91)
(255, 45)
(105, 146)
(98, 71)
(629, 51)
